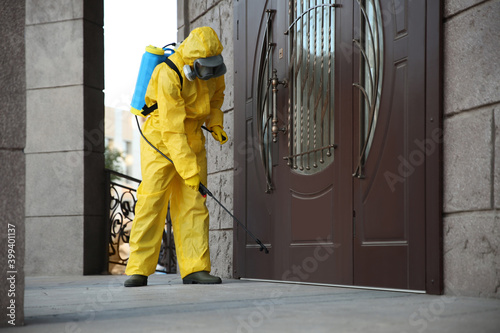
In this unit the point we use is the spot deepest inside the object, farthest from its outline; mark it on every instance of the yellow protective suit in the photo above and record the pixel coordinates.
(175, 129)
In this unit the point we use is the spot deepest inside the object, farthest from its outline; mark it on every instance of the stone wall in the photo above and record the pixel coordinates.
(65, 230)
(217, 14)
(12, 161)
(472, 148)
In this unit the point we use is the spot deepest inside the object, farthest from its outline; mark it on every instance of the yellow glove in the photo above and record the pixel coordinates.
(219, 134)
(193, 182)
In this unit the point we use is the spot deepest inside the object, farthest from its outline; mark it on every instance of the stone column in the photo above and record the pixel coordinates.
(12, 161)
(65, 229)
(471, 148)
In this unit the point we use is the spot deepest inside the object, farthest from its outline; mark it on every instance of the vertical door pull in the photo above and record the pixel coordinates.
(275, 82)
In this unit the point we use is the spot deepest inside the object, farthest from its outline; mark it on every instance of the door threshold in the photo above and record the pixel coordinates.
(338, 286)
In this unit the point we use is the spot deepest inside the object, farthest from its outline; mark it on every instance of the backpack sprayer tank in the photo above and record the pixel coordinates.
(150, 59)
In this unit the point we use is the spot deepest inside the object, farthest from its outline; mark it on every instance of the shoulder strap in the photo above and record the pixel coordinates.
(171, 64)
(147, 110)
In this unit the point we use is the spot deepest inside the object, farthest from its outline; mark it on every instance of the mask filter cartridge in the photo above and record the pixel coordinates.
(189, 73)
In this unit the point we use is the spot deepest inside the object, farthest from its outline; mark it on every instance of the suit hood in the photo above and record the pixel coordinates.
(201, 43)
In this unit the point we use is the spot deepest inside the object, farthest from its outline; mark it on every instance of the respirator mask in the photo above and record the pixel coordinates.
(205, 68)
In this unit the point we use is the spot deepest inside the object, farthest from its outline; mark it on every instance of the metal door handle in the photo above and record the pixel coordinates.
(275, 82)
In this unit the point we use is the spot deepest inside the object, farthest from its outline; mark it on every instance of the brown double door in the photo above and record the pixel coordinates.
(331, 155)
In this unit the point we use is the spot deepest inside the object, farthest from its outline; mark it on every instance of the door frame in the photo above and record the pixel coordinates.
(434, 282)
(433, 129)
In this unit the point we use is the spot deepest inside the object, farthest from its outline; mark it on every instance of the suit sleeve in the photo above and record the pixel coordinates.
(216, 117)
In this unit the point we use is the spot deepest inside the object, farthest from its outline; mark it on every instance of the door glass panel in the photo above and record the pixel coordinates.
(370, 45)
(264, 105)
(311, 93)
(372, 78)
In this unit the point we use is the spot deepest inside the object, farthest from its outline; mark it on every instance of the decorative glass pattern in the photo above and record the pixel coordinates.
(311, 89)
(264, 103)
(370, 45)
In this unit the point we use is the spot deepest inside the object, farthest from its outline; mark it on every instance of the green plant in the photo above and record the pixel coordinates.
(113, 159)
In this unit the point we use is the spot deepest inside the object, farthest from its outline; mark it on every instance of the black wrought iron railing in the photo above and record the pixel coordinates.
(121, 203)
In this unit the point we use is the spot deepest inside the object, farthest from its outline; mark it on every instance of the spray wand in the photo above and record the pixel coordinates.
(204, 192)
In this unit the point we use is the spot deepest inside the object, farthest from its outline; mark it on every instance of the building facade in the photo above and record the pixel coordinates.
(447, 196)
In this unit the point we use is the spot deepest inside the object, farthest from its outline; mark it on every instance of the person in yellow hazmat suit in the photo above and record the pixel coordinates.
(175, 129)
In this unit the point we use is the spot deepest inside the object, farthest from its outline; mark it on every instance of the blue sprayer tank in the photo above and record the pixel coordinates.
(151, 58)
